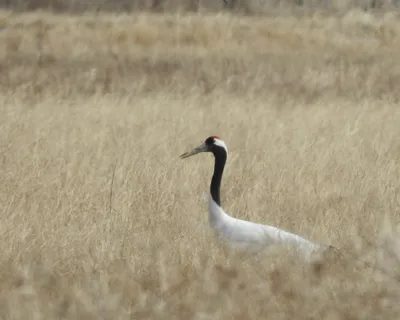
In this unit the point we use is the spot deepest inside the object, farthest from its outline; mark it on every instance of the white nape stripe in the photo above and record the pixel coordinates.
(220, 143)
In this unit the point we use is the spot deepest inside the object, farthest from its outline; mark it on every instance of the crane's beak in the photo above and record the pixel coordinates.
(199, 149)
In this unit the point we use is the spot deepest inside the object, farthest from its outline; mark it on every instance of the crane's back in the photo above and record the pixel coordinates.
(242, 233)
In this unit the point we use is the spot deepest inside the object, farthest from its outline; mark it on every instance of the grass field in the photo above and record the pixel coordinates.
(100, 219)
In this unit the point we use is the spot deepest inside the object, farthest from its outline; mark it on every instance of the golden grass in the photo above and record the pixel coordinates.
(89, 104)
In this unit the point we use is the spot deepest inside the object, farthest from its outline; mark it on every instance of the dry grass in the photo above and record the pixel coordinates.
(309, 108)
(269, 7)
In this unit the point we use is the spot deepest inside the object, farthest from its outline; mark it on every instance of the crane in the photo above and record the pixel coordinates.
(242, 234)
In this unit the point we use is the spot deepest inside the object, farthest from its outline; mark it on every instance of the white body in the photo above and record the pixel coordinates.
(253, 237)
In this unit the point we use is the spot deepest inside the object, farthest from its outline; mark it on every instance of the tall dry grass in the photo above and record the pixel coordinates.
(101, 220)
(269, 7)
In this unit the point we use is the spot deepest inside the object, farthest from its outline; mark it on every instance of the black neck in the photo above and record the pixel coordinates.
(220, 160)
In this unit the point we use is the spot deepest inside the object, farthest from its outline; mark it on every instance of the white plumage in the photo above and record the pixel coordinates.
(253, 237)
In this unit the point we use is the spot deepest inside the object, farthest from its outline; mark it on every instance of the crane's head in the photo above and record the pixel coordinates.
(212, 144)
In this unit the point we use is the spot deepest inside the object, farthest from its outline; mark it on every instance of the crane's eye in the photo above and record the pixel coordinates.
(209, 141)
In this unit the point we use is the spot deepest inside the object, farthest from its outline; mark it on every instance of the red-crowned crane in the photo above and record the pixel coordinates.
(239, 233)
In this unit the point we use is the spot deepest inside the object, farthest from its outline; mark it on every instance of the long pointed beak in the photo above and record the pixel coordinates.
(199, 149)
